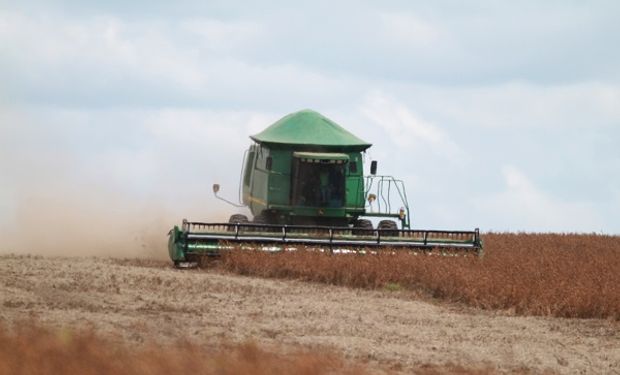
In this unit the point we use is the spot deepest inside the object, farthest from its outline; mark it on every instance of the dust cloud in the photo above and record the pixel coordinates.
(94, 222)
(62, 196)
(85, 224)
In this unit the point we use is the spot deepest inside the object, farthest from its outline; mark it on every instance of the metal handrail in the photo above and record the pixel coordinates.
(383, 194)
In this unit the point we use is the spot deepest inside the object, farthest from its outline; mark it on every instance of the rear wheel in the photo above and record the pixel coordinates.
(362, 227)
(388, 228)
(237, 219)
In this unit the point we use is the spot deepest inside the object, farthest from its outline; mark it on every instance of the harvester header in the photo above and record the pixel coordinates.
(304, 185)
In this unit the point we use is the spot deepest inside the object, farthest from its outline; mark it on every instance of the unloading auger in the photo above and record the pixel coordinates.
(303, 182)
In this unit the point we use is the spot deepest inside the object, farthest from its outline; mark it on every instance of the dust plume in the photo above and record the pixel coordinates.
(68, 217)
(63, 191)
(87, 224)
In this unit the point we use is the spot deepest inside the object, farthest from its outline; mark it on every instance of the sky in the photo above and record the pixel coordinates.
(119, 116)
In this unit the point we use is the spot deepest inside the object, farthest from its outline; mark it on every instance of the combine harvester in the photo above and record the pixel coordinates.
(303, 182)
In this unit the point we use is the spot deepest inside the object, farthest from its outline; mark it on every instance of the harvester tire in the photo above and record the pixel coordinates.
(388, 228)
(261, 218)
(237, 219)
(362, 227)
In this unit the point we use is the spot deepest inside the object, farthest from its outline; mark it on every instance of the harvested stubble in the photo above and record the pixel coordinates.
(562, 275)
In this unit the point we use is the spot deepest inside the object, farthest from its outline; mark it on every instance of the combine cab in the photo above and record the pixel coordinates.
(303, 182)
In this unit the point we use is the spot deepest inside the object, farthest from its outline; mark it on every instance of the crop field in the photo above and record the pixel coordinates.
(309, 312)
(32, 349)
(35, 350)
(571, 276)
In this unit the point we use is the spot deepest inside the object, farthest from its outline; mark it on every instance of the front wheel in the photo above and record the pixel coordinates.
(237, 219)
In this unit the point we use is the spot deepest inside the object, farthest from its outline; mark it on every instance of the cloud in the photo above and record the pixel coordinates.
(155, 103)
(523, 105)
(522, 205)
(448, 44)
(109, 61)
(406, 129)
(409, 30)
(225, 36)
(52, 59)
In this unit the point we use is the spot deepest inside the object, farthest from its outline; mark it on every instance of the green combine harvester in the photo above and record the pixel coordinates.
(304, 184)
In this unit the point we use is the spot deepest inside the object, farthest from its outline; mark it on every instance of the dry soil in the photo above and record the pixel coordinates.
(140, 300)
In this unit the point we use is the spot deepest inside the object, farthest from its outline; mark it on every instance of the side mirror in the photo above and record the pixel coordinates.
(373, 167)
(216, 189)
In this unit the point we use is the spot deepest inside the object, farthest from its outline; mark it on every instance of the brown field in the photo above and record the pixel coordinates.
(31, 349)
(373, 314)
(35, 350)
(571, 276)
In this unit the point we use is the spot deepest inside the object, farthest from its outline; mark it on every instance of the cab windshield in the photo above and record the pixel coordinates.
(318, 183)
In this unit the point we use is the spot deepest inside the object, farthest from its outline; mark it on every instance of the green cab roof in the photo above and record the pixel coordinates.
(310, 129)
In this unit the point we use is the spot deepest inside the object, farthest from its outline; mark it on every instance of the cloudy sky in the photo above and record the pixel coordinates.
(501, 115)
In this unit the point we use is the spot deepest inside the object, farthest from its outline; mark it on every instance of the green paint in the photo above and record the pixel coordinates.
(305, 169)
(308, 128)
